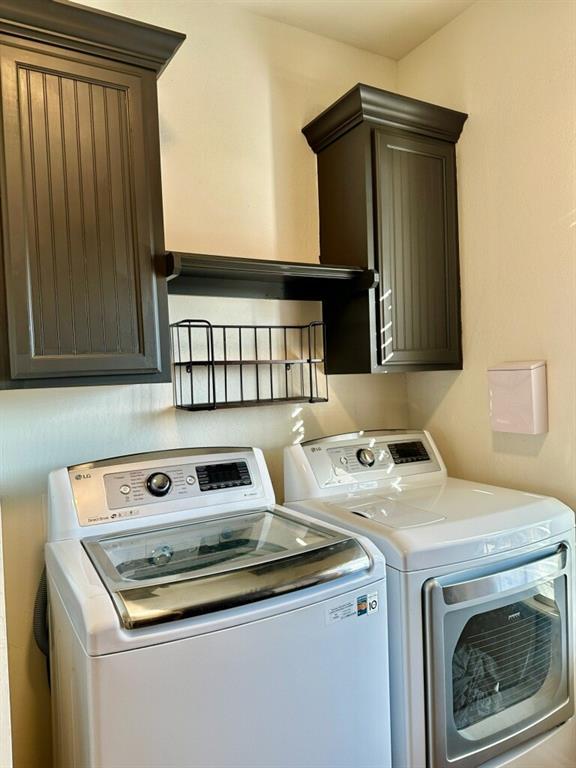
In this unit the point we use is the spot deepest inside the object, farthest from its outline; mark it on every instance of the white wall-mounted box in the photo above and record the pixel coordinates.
(518, 397)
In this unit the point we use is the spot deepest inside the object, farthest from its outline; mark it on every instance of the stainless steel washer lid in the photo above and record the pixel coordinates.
(169, 573)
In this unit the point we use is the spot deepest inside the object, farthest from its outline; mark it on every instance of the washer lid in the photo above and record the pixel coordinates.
(169, 573)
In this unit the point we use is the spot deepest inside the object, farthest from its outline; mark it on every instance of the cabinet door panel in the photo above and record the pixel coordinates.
(77, 227)
(418, 306)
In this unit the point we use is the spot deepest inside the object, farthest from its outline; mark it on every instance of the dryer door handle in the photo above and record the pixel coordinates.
(513, 579)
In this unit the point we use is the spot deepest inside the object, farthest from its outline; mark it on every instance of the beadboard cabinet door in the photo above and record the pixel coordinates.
(388, 201)
(80, 216)
(417, 251)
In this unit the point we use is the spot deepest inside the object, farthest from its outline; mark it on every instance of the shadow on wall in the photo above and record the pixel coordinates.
(294, 167)
(438, 385)
(300, 84)
(292, 174)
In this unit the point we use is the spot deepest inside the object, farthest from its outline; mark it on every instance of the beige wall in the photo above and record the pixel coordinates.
(239, 179)
(512, 66)
(5, 730)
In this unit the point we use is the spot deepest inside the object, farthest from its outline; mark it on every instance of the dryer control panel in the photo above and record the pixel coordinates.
(370, 458)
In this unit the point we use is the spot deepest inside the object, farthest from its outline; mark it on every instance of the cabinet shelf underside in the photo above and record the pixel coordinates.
(203, 275)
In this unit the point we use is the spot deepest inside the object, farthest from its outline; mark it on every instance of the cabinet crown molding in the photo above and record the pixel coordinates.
(363, 103)
(89, 31)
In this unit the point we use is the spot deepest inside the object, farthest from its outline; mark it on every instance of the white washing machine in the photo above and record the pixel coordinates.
(194, 624)
(480, 591)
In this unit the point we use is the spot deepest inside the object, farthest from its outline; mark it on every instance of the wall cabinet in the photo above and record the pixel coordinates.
(387, 201)
(81, 202)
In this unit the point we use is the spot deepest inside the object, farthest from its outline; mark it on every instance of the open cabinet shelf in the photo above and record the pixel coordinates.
(202, 275)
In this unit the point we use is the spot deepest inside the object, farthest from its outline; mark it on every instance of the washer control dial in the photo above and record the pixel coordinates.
(365, 456)
(159, 484)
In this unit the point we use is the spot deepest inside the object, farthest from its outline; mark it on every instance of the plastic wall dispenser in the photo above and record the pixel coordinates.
(518, 397)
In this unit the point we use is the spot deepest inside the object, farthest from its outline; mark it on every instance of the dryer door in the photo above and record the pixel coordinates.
(499, 658)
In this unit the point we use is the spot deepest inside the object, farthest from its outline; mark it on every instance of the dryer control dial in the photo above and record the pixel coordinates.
(159, 484)
(365, 456)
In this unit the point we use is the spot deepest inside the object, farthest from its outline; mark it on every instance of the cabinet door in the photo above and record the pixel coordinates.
(78, 229)
(419, 301)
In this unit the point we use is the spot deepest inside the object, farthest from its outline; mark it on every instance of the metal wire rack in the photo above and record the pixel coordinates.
(232, 366)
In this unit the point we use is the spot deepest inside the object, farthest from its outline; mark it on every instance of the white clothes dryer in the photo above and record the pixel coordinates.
(194, 624)
(480, 598)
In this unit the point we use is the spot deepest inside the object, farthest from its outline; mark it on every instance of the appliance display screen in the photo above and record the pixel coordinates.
(229, 475)
(222, 473)
(402, 453)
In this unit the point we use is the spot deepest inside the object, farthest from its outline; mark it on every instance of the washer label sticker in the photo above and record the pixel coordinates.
(361, 605)
(341, 611)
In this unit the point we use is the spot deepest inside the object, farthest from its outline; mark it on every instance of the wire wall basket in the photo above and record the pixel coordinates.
(231, 366)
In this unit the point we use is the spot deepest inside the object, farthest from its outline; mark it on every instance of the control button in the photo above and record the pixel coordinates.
(158, 484)
(343, 460)
(365, 456)
(190, 479)
(125, 489)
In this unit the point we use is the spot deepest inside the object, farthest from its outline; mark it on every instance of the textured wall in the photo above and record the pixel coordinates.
(239, 179)
(512, 66)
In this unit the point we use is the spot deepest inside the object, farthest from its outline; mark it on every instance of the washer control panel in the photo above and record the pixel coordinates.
(370, 457)
(129, 487)
(141, 486)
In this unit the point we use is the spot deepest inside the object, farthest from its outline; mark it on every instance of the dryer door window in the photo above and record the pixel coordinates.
(508, 659)
(499, 659)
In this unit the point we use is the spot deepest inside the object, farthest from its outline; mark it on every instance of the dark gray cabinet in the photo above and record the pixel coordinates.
(81, 204)
(387, 201)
